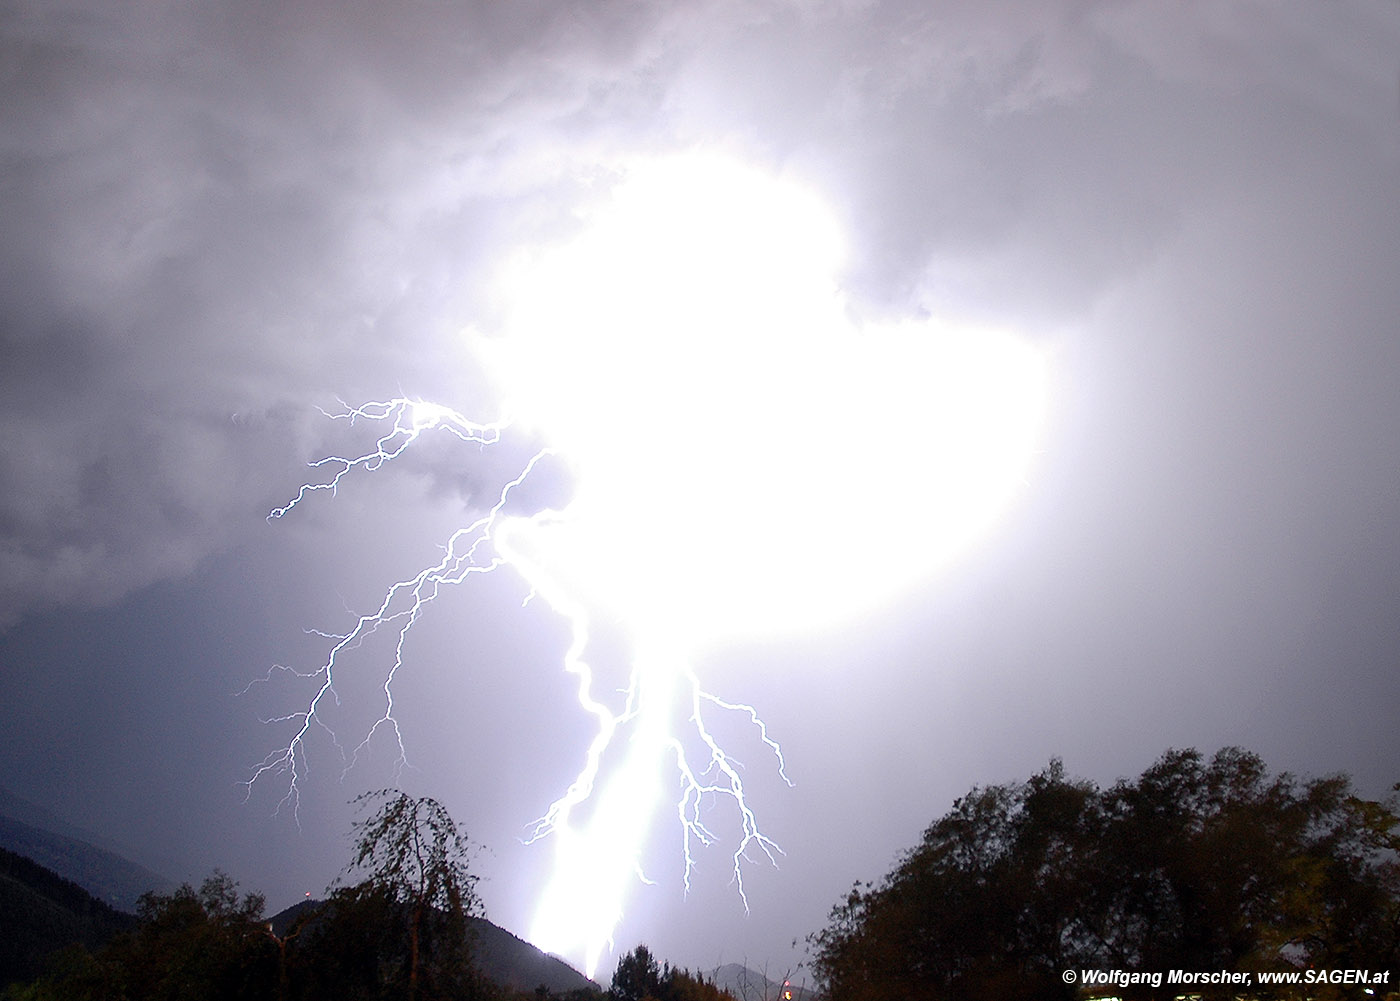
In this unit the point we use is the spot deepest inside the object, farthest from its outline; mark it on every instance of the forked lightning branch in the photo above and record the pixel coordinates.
(595, 858)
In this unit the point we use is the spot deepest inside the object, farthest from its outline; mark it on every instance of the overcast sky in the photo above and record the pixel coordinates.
(216, 217)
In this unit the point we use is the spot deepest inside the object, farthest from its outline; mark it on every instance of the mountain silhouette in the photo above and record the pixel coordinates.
(41, 912)
(111, 878)
(503, 958)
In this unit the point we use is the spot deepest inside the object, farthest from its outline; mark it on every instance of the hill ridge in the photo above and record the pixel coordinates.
(502, 956)
(111, 878)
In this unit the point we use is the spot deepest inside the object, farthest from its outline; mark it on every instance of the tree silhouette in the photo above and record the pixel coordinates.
(638, 976)
(1197, 866)
(412, 860)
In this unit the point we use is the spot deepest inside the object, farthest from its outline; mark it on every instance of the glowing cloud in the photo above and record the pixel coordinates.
(746, 459)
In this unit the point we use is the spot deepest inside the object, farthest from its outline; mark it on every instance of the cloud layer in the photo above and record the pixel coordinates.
(215, 216)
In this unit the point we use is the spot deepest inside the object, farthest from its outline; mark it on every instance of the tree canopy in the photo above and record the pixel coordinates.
(639, 977)
(206, 943)
(401, 928)
(1197, 865)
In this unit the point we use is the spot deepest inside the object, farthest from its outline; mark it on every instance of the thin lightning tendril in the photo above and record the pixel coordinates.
(482, 547)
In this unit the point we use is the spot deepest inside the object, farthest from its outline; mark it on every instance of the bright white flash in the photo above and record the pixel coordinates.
(746, 459)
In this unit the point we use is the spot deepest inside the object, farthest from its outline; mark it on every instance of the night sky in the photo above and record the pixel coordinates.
(218, 217)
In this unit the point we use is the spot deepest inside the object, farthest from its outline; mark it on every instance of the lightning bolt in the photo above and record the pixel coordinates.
(688, 352)
(663, 718)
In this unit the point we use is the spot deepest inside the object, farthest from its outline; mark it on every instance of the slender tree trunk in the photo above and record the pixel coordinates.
(413, 952)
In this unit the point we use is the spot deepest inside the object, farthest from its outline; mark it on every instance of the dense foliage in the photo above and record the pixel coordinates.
(1198, 865)
(639, 977)
(206, 942)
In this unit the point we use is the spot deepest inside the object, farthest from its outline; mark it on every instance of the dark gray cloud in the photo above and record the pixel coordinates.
(215, 217)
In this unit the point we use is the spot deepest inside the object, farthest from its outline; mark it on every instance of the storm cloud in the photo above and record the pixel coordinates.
(215, 218)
